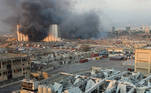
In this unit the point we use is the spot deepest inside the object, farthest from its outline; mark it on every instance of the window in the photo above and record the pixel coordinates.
(23, 59)
(4, 73)
(29, 63)
(28, 68)
(3, 63)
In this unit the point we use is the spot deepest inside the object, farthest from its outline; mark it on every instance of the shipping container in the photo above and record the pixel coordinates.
(117, 58)
(83, 60)
(104, 53)
(95, 55)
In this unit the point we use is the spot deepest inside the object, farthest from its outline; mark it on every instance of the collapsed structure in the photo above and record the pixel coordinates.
(52, 36)
(96, 81)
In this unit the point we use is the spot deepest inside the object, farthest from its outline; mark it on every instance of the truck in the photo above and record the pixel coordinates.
(104, 54)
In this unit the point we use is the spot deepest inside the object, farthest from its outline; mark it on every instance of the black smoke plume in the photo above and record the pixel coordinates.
(83, 26)
(35, 17)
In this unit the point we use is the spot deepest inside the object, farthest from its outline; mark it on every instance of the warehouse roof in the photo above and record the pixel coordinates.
(146, 47)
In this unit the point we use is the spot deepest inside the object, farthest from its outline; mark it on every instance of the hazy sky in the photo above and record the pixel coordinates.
(119, 12)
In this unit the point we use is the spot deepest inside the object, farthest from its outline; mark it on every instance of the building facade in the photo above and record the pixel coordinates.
(13, 66)
(143, 60)
(21, 36)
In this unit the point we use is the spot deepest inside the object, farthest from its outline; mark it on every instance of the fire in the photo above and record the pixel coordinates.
(52, 36)
(21, 36)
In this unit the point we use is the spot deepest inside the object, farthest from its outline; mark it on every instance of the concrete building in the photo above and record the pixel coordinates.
(113, 29)
(143, 60)
(13, 66)
(53, 34)
(147, 30)
(128, 28)
(21, 36)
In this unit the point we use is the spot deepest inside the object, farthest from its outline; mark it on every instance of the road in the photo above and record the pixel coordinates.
(72, 68)
(104, 63)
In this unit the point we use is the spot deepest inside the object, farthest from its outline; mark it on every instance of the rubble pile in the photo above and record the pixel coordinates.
(58, 58)
(99, 81)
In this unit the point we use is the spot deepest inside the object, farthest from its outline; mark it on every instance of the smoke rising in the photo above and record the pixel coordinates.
(82, 26)
(35, 17)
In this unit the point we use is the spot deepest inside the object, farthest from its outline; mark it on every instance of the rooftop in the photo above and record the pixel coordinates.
(148, 47)
(11, 55)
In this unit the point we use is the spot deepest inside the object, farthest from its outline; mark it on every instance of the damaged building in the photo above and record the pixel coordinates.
(142, 60)
(13, 66)
(53, 34)
(97, 80)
